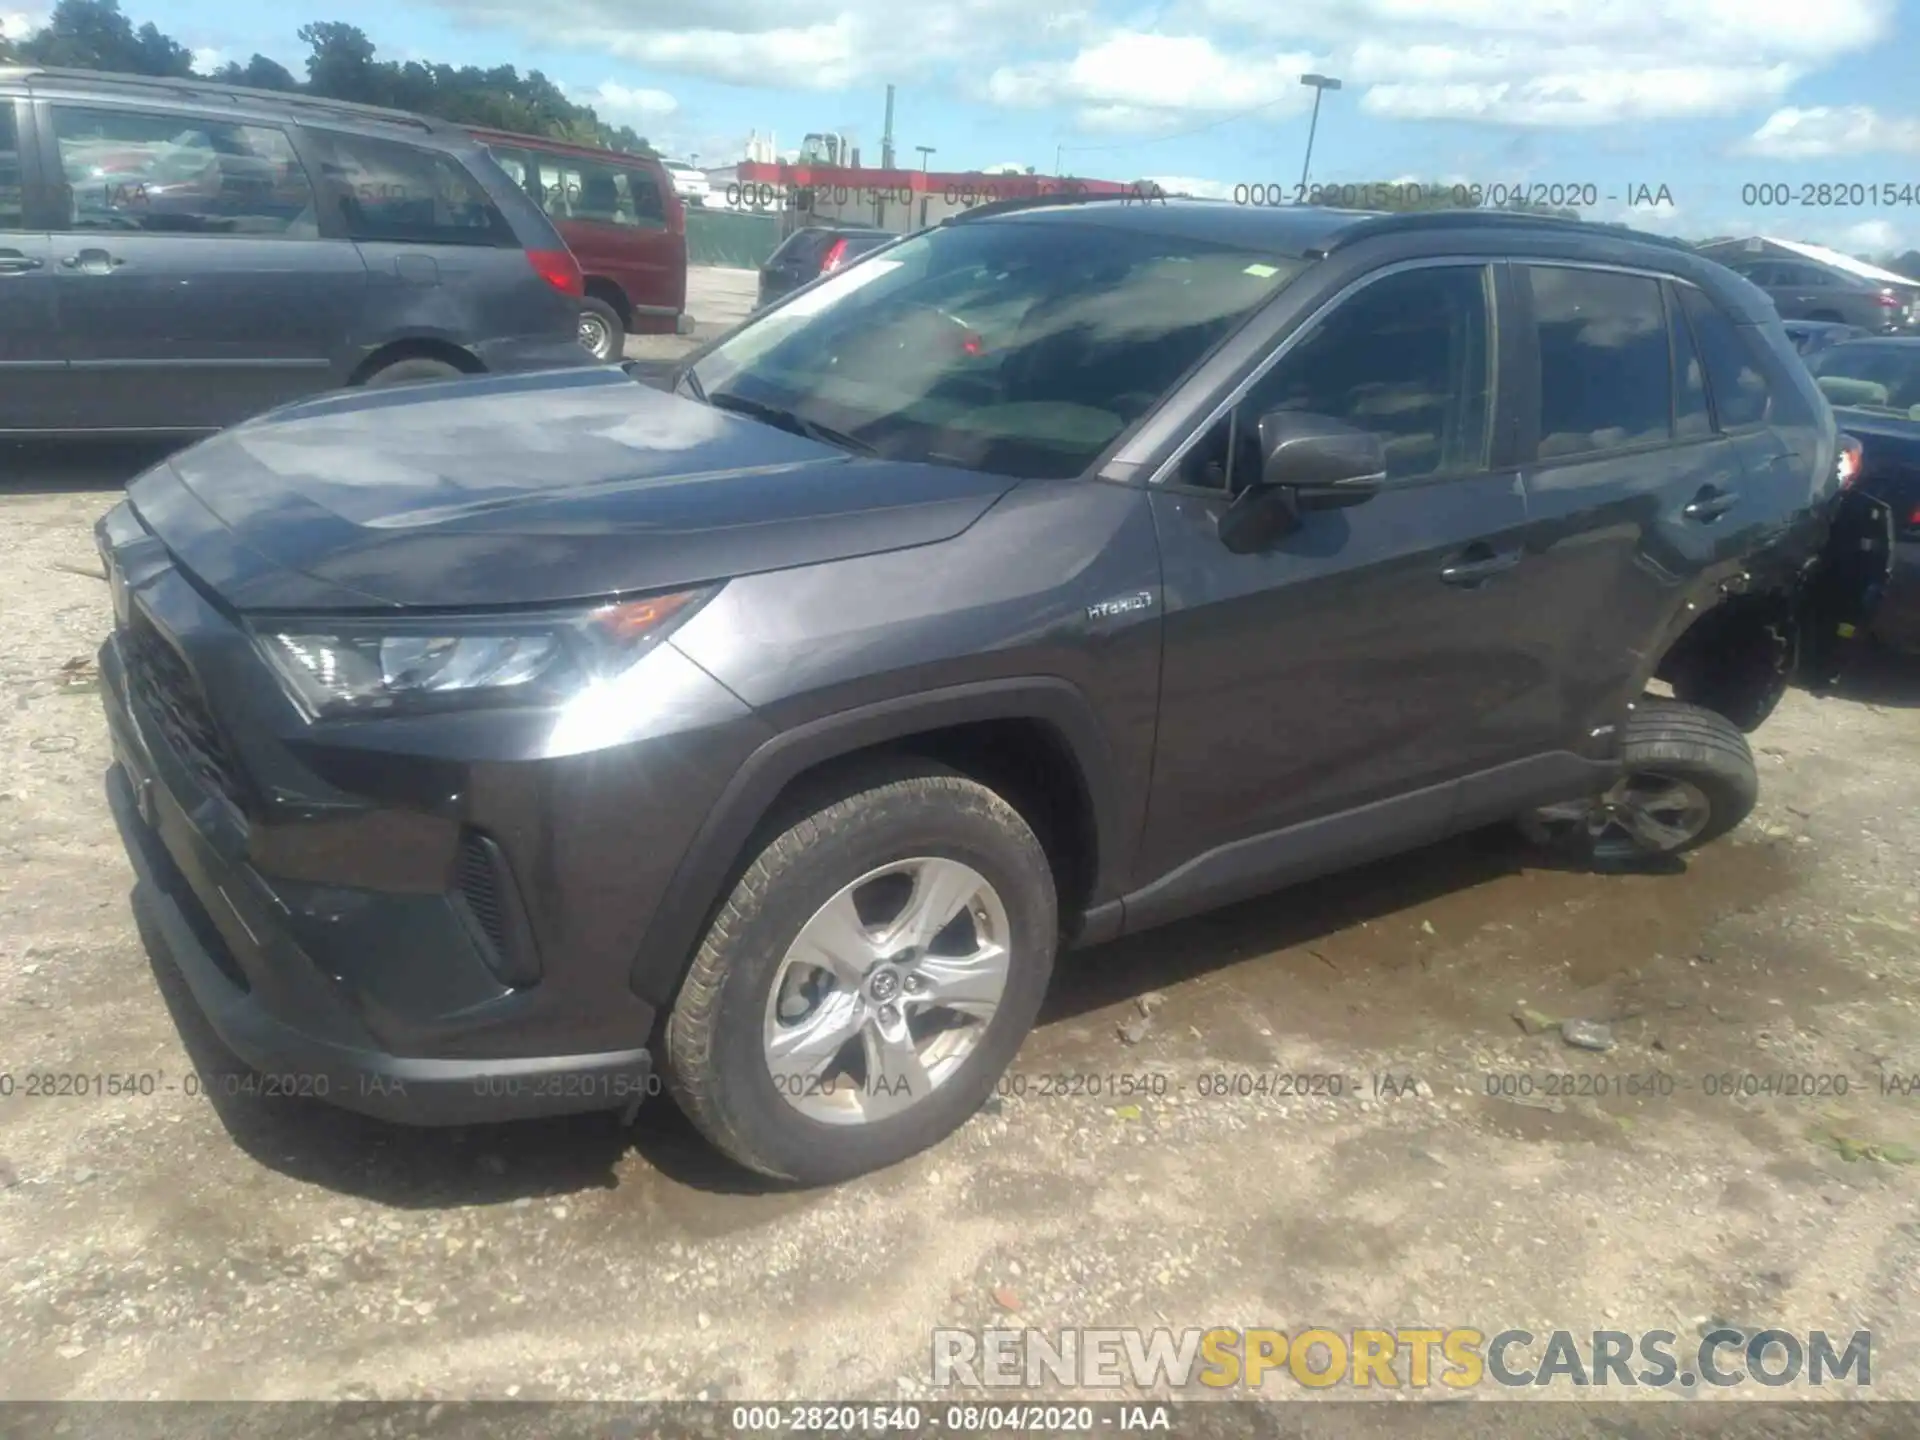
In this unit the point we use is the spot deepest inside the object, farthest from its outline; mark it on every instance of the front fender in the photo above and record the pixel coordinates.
(718, 848)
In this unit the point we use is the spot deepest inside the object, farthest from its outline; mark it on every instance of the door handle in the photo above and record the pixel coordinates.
(12, 262)
(1710, 504)
(1479, 563)
(92, 262)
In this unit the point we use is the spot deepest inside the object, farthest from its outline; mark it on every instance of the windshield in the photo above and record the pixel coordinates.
(1879, 377)
(1018, 348)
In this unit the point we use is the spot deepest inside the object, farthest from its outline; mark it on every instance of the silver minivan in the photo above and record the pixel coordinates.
(178, 255)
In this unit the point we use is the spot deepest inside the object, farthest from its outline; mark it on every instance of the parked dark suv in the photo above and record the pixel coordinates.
(813, 251)
(1082, 566)
(176, 255)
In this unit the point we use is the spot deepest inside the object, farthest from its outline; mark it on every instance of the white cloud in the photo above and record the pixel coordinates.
(1544, 63)
(17, 26)
(209, 58)
(616, 101)
(1809, 134)
(1133, 80)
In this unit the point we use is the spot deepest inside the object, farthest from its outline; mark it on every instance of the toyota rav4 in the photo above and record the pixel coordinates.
(522, 744)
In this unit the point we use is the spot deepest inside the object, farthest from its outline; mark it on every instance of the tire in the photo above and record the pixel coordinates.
(720, 1036)
(417, 371)
(601, 332)
(1696, 761)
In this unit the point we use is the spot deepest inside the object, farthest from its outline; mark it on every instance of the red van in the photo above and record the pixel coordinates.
(619, 215)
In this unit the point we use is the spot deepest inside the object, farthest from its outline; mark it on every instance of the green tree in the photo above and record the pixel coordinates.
(95, 35)
(341, 64)
(259, 73)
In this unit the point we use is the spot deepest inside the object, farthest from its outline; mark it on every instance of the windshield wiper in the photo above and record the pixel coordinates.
(789, 420)
(692, 382)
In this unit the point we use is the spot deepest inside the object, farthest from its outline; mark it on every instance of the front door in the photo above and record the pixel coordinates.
(194, 285)
(33, 390)
(1365, 659)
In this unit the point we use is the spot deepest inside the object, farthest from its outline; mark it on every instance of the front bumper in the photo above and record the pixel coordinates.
(311, 883)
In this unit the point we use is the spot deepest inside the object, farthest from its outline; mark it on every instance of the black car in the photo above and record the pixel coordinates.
(813, 251)
(1874, 386)
(1810, 337)
(176, 255)
(491, 750)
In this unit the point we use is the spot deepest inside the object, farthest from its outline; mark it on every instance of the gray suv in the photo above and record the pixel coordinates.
(177, 255)
(1805, 289)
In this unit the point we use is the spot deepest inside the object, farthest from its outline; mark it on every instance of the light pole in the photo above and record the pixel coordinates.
(925, 151)
(1321, 84)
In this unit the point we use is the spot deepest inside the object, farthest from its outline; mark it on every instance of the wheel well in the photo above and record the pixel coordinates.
(1028, 763)
(417, 349)
(1736, 658)
(608, 293)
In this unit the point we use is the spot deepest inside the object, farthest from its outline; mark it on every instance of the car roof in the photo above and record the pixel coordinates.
(53, 82)
(1314, 232)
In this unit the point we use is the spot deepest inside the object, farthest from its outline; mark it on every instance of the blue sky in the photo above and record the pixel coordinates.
(1702, 97)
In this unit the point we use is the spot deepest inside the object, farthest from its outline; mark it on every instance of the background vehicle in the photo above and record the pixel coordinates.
(1070, 569)
(813, 251)
(1874, 386)
(689, 181)
(1810, 337)
(621, 218)
(1810, 282)
(210, 252)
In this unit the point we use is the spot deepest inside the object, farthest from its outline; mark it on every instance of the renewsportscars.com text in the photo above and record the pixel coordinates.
(1456, 1358)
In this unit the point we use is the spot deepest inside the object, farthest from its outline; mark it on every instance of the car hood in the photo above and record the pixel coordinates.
(530, 489)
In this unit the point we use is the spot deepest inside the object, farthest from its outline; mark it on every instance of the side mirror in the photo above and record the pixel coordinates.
(1308, 462)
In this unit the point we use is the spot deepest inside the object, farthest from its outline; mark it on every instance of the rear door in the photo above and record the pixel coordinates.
(1634, 499)
(34, 392)
(194, 282)
(443, 259)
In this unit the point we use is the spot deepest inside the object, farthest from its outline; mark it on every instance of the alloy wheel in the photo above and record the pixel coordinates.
(1642, 814)
(886, 991)
(596, 335)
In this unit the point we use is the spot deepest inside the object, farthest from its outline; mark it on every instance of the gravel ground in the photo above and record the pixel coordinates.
(177, 1246)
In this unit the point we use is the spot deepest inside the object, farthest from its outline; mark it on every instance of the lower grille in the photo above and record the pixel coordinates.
(484, 891)
(171, 698)
(480, 886)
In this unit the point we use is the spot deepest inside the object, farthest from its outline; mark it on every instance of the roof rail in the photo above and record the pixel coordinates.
(234, 94)
(1416, 220)
(1060, 197)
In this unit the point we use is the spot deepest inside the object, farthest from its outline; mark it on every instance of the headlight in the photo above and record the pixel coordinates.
(403, 664)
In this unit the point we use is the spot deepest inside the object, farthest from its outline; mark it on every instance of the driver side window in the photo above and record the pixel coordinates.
(1407, 357)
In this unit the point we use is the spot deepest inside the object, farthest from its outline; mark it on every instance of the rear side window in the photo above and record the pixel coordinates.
(391, 191)
(1739, 390)
(603, 192)
(1606, 378)
(133, 170)
(1691, 418)
(521, 166)
(12, 211)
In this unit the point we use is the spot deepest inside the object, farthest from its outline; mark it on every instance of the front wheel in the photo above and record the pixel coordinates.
(868, 980)
(1688, 778)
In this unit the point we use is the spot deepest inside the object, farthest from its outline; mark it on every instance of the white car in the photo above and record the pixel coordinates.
(689, 183)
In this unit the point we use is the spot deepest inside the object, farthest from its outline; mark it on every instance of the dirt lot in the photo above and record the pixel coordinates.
(176, 1246)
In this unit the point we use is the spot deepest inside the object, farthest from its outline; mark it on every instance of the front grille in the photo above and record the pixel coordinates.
(171, 699)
